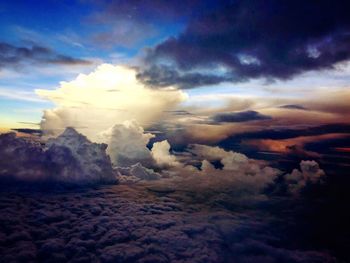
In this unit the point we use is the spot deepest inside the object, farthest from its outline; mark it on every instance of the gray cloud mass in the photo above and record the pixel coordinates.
(14, 56)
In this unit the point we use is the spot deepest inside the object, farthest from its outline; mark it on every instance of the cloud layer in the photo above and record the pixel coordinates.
(254, 39)
(242, 116)
(18, 56)
(132, 224)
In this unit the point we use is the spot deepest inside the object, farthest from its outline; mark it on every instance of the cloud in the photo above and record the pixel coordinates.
(21, 159)
(129, 224)
(127, 144)
(242, 116)
(29, 131)
(237, 176)
(97, 101)
(22, 95)
(70, 158)
(135, 173)
(164, 76)
(293, 143)
(288, 133)
(309, 173)
(336, 102)
(237, 167)
(179, 112)
(231, 160)
(161, 154)
(212, 172)
(16, 56)
(278, 42)
(293, 107)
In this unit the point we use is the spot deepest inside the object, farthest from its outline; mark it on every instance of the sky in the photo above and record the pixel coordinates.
(236, 112)
(204, 72)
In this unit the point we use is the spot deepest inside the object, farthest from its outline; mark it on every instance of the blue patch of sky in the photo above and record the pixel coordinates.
(21, 111)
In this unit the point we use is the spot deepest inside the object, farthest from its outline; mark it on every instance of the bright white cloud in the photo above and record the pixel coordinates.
(240, 177)
(238, 171)
(110, 95)
(127, 144)
(161, 154)
(231, 160)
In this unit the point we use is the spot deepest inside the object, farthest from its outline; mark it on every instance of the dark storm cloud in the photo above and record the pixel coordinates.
(253, 39)
(12, 56)
(242, 116)
(331, 145)
(29, 131)
(68, 159)
(165, 76)
(335, 154)
(287, 133)
(293, 107)
(178, 112)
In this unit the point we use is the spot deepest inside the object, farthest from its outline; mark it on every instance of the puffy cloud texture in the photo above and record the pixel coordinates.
(239, 173)
(110, 95)
(130, 224)
(135, 173)
(69, 158)
(127, 144)
(235, 176)
(161, 154)
(309, 173)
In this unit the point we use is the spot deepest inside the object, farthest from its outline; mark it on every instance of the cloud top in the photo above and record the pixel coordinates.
(70, 158)
(110, 95)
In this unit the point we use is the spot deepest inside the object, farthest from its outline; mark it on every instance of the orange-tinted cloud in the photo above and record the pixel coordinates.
(295, 145)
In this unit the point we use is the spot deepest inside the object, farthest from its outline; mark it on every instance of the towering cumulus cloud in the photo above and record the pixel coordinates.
(110, 95)
(162, 156)
(310, 173)
(69, 158)
(127, 144)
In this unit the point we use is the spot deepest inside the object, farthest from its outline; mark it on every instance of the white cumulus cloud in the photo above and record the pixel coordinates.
(110, 95)
(127, 144)
(161, 154)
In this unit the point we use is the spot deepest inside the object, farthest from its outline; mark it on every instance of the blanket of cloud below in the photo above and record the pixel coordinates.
(180, 213)
(131, 224)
